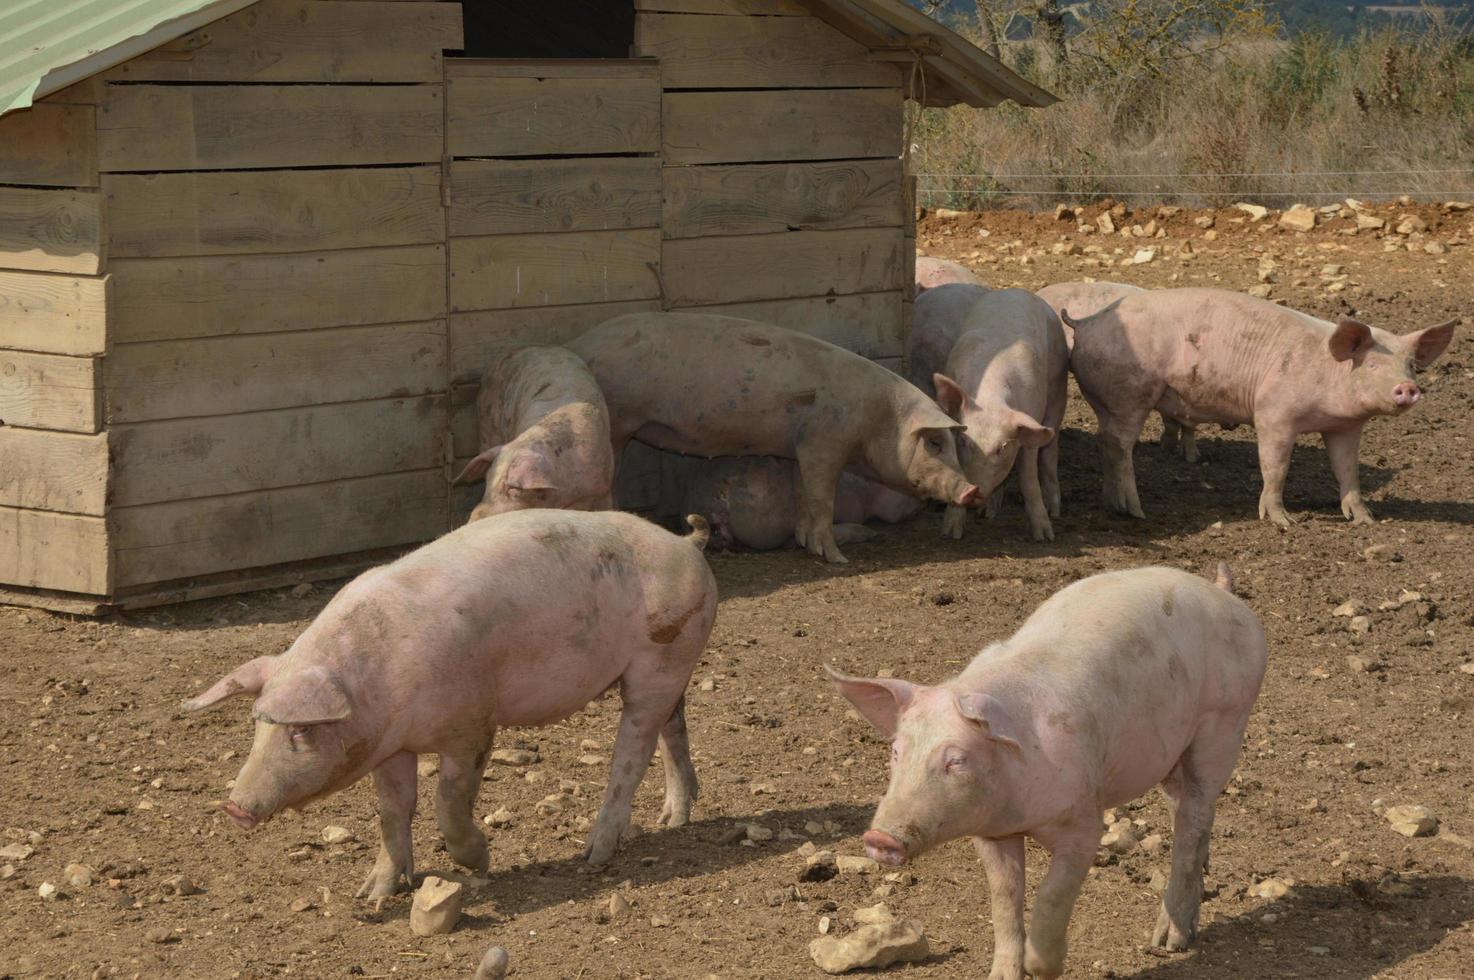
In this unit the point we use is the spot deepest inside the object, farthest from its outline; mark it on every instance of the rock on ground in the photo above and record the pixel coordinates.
(493, 965)
(1412, 821)
(436, 908)
(871, 947)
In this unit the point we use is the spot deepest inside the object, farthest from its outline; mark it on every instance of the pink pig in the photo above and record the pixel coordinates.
(1115, 684)
(544, 435)
(933, 272)
(434, 652)
(1211, 355)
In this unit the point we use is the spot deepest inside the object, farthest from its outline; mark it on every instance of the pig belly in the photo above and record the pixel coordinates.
(726, 434)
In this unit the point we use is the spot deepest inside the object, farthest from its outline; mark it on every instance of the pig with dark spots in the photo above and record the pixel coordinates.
(709, 385)
(933, 272)
(1118, 683)
(544, 435)
(1006, 379)
(434, 652)
(1210, 355)
(751, 500)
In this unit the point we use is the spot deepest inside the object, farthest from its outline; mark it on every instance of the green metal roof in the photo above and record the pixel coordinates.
(47, 45)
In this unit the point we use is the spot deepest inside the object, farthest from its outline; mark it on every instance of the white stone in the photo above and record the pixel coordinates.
(1143, 256)
(1298, 218)
(854, 864)
(874, 915)
(757, 832)
(436, 908)
(337, 835)
(514, 757)
(1255, 212)
(1272, 888)
(871, 947)
(1348, 609)
(1411, 820)
(494, 964)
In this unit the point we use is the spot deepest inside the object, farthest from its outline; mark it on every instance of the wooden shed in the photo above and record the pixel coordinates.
(254, 256)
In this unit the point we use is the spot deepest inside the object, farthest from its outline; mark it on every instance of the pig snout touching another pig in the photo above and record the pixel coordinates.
(1005, 379)
(1115, 684)
(544, 435)
(709, 385)
(933, 272)
(434, 652)
(1210, 355)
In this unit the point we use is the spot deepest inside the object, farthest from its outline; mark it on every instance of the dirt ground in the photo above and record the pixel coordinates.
(98, 767)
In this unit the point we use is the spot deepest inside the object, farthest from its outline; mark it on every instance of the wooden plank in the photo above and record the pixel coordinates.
(51, 230)
(46, 391)
(510, 117)
(185, 458)
(53, 314)
(495, 197)
(308, 41)
(744, 127)
(504, 271)
(255, 579)
(867, 323)
(42, 550)
(167, 541)
(747, 8)
(271, 211)
(908, 263)
(256, 372)
(215, 295)
(474, 340)
(51, 144)
(762, 198)
(757, 53)
(747, 268)
(86, 92)
(70, 603)
(525, 68)
(222, 127)
(55, 471)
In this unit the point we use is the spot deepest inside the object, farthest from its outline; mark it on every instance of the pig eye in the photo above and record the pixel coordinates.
(934, 443)
(953, 762)
(297, 733)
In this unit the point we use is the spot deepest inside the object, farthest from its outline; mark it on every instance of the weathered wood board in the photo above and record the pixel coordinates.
(51, 230)
(53, 314)
(749, 127)
(43, 550)
(270, 211)
(181, 459)
(705, 52)
(498, 197)
(223, 127)
(503, 271)
(56, 471)
(215, 295)
(47, 391)
(763, 267)
(752, 199)
(746, 8)
(256, 372)
(867, 323)
(475, 339)
(499, 116)
(167, 541)
(50, 144)
(308, 41)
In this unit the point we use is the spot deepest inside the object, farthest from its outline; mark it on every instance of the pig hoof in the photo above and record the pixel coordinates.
(379, 886)
(1044, 533)
(674, 816)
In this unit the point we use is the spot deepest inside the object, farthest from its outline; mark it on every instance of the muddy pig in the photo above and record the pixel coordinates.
(434, 652)
(1006, 379)
(751, 500)
(1115, 684)
(709, 385)
(544, 435)
(1211, 355)
(933, 272)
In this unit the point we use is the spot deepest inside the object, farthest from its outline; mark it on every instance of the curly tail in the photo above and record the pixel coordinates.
(1069, 321)
(1224, 579)
(700, 531)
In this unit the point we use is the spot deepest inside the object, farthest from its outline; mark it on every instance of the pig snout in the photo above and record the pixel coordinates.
(884, 848)
(1406, 394)
(971, 496)
(242, 818)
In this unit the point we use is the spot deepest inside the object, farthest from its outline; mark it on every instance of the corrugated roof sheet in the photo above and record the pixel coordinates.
(46, 45)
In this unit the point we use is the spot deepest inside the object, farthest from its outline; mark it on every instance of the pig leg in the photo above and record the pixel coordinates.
(640, 725)
(455, 798)
(854, 533)
(1028, 478)
(681, 787)
(1344, 449)
(1171, 433)
(1276, 445)
(1049, 474)
(1189, 443)
(394, 782)
(818, 476)
(1071, 861)
(1003, 863)
(954, 520)
(1117, 435)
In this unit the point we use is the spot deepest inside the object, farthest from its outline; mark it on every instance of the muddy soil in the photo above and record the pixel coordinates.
(98, 767)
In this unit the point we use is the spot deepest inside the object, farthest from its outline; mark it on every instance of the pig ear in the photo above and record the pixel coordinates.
(311, 696)
(949, 394)
(988, 713)
(1349, 339)
(929, 416)
(880, 699)
(1428, 345)
(248, 678)
(477, 467)
(528, 471)
(1029, 432)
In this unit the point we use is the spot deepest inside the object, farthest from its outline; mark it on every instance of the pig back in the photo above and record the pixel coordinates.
(525, 386)
(939, 318)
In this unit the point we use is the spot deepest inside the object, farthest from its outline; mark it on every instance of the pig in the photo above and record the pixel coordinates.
(1088, 298)
(434, 652)
(544, 435)
(1211, 355)
(1119, 682)
(933, 272)
(1006, 378)
(711, 385)
(751, 500)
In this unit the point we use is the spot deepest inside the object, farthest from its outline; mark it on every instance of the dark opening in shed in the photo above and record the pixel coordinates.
(548, 28)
